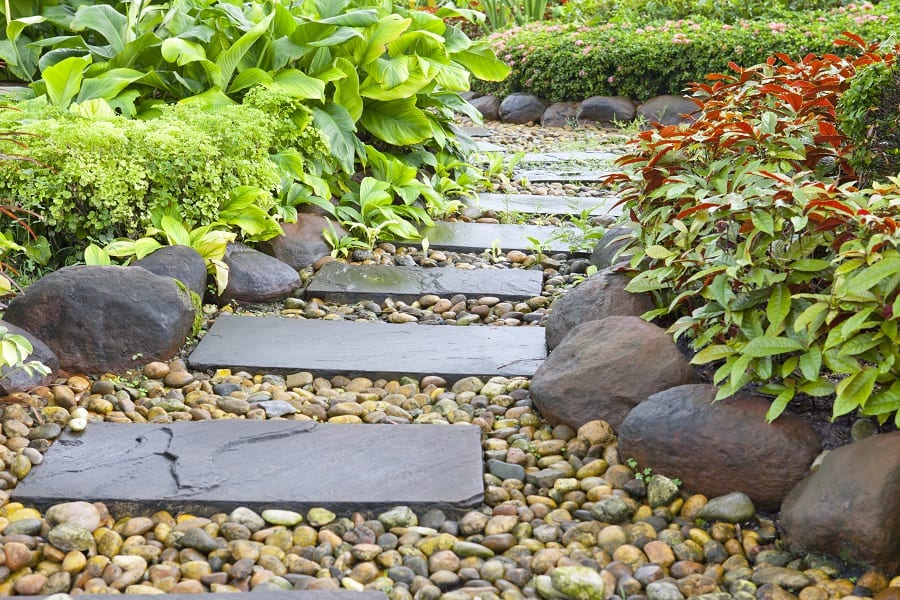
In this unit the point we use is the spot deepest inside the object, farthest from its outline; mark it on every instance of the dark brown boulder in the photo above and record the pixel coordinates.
(601, 295)
(522, 108)
(181, 262)
(605, 109)
(101, 318)
(256, 277)
(608, 250)
(488, 106)
(560, 114)
(602, 369)
(668, 110)
(20, 380)
(722, 447)
(302, 243)
(850, 505)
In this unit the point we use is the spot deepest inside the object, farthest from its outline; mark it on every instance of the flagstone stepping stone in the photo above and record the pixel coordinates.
(482, 146)
(477, 237)
(475, 132)
(285, 345)
(561, 156)
(548, 205)
(258, 594)
(339, 282)
(216, 466)
(562, 176)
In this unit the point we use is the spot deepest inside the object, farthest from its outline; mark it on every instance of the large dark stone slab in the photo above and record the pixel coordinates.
(550, 175)
(279, 344)
(478, 237)
(548, 205)
(569, 155)
(216, 466)
(340, 282)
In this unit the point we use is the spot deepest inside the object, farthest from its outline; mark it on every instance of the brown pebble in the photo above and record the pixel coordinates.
(156, 370)
(187, 586)
(178, 379)
(18, 556)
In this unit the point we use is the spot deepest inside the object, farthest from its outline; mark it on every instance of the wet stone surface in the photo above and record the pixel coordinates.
(477, 237)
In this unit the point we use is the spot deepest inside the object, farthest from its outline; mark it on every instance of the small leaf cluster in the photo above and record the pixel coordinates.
(755, 238)
(641, 59)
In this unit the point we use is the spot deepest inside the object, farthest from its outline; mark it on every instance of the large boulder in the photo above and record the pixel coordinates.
(302, 243)
(850, 505)
(256, 277)
(103, 318)
(601, 295)
(559, 114)
(668, 110)
(602, 369)
(522, 108)
(181, 262)
(608, 251)
(19, 380)
(722, 447)
(606, 109)
(488, 106)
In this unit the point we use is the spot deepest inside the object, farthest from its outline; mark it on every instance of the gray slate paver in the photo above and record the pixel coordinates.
(548, 175)
(216, 466)
(280, 344)
(477, 237)
(561, 156)
(475, 132)
(339, 282)
(548, 205)
(482, 146)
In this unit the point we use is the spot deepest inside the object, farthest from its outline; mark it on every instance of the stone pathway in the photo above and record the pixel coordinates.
(548, 205)
(340, 282)
(478, 237)
(282, 345)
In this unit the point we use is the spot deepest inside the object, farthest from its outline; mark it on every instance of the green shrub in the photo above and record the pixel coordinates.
(570, 62)
(753, 236)
(101, 177)
(869, 114)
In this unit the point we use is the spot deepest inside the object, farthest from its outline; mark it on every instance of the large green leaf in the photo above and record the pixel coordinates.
(766, 345)
(299, 85)
(346, 90)
(397, 122)
(249, 78)
(339, 129)
(63, 80)
(388, 29)
(356, 18)
(854, 391)
(108, 85)
(871, 275)
(182, 52)
(482, 63)
(229, 59)
(106, 21)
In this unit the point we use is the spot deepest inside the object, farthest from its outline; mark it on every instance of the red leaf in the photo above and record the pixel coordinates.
(702, 206)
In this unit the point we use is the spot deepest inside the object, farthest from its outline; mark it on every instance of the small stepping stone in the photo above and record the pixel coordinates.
(550, 176)
(285, 345)
(552, 157)
(475, 132)
(339, 282)
(478, 237)
(548, 205)
(482, 146)
(216, 466)
(258, 594)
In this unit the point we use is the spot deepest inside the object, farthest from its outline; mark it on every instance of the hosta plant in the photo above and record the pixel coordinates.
(754, 238)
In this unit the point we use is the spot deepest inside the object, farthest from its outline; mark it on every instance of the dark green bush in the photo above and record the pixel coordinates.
(568, 62)
(869, 114)
(101, 178)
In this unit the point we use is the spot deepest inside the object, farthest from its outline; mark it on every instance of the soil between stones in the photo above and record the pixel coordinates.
(543, 485)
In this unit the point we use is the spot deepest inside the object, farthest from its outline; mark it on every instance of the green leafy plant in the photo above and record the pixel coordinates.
(342, 245)
(778, 269)
(14, 352)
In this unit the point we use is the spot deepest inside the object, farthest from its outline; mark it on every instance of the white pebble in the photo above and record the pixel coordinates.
(78, 424)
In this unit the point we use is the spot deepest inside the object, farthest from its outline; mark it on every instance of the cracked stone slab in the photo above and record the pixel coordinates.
(477, 237)
(548, 205)
(215, 466)
(257, 595)
(327, 348)
(339, 282)
(561, 176)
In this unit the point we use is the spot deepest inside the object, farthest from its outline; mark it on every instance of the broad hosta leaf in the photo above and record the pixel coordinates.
(482, 63)
(299, 85)
(346, 89)
(398, 122)
(388, 29)
(106, 21)
(769, 346)
(338, 127)
(228, 60)
(63, 79)
(249, 78)
(108, 85)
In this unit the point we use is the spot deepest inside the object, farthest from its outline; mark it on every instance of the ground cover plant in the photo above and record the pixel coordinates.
(645, 57)
(755, 237)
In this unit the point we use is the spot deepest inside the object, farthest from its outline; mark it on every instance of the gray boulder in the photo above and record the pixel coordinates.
(98, 319)
(302, 243)
(256, 277)
(488, 106)
(19, 380)
(850, 505)
(522, 108)
(608, 250)
(676, 430)
(181, 262)
(668, 110)
(601, 295)
(560, 114)
(602, 369)
(605, 109)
